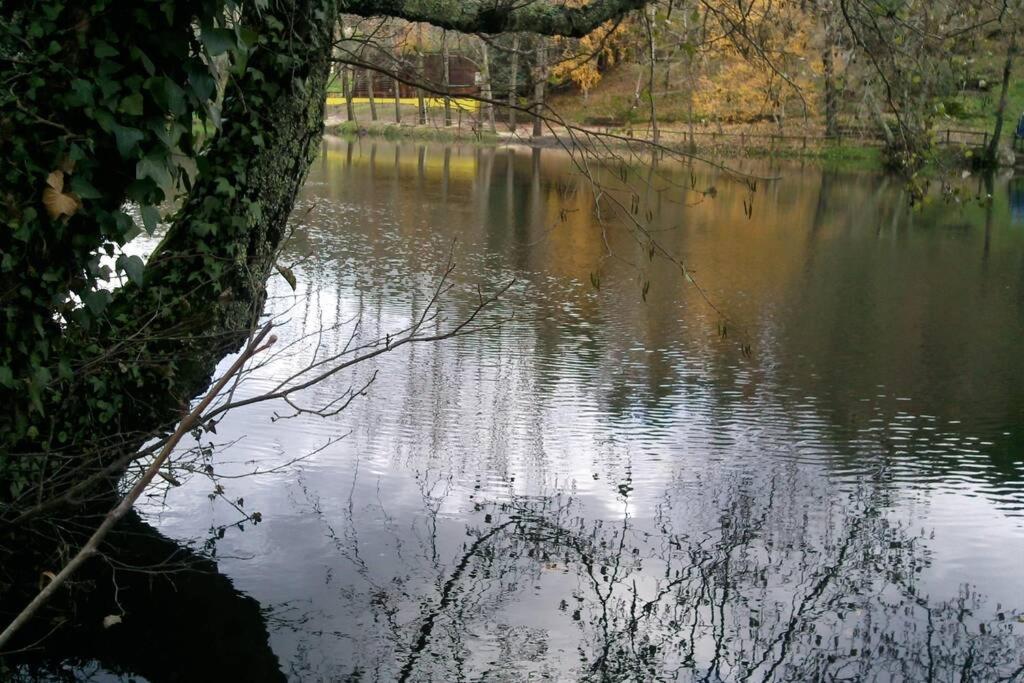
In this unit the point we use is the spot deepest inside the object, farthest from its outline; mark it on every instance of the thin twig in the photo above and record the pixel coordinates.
(122, 508)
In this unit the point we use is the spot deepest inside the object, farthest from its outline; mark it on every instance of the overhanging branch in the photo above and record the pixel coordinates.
(501, 16)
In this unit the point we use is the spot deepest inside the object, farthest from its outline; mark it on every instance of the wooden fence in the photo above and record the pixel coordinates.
(946, 137)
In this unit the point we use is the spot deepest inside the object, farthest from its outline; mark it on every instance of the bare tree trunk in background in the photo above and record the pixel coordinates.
(828, 64)
(638, 89)
(648, 21)
(346, 88)
(829, 75)
(513, 77)
(688, 66)
(395, 84)
(876, 112)
(369, 94)
(421, 72)
(421, 103)
(993, 146)
(446, 79)
(539, 81)
(485, 87)
(398, 101)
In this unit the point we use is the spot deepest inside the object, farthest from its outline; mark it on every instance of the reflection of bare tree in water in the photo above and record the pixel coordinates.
(778, 583)
(826, 600)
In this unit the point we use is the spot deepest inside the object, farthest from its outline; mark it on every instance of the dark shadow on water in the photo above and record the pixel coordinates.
(182, 621)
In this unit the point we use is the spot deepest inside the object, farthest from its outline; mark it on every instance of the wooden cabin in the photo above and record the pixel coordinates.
(464, 75)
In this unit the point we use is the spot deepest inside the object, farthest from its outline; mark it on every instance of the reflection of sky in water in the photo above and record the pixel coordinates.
(606, 484)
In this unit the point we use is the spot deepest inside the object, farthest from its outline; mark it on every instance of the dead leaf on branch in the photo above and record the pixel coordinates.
(45, 578)
(287, 274)
(56, 180)
(55, 200)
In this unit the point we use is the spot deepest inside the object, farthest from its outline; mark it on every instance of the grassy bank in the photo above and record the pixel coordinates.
(392, 131)
(842, 156)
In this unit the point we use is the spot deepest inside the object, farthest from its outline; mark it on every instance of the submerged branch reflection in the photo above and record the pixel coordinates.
(780, 582)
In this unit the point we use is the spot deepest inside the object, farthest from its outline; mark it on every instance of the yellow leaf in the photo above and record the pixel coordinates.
(56, 180)
(59, 204)
(45, 578)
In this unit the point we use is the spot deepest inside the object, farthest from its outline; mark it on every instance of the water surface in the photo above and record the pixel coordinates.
(814, 471)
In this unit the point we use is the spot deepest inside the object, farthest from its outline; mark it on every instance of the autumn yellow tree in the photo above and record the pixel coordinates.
(583, 60)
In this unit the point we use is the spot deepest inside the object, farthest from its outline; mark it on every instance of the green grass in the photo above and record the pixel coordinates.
(390, 131)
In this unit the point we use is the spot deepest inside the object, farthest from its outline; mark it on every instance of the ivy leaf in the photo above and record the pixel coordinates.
(218, 40)
(132, 104)
(225, 187)
(287, 274)
(126, 138)
(103, 49)
(83, 189)
(81, 92)
(96, 300)
(132, 266)
(248, 37)
(168, 95)
(169, 133)
(154, 168)
(150, 218)
(202, 82)
(147, 63)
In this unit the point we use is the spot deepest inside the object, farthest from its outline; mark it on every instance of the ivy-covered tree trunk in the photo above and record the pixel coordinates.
(225, 239)
(135, 363)
(96, 113)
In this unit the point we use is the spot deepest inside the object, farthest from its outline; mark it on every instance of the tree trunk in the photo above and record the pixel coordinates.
(513, 77)
(346, 89)
(250, 224)
(993, 147)
(651, 56)
(398, 100)
(446, 79)
(638, 88)
(485, 86)
(370, 94)
(398, 90)
(829, 77)
(204, 285)
(539, 81)
(421, 102)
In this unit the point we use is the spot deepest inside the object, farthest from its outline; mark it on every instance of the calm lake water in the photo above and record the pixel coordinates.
(821, 480)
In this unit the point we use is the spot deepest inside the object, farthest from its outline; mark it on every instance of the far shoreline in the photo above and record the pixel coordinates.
(839, 156)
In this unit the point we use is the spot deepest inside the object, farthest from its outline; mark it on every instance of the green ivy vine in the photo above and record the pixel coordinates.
(102, 104)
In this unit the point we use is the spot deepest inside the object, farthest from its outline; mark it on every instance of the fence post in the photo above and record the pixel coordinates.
(947, 136)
